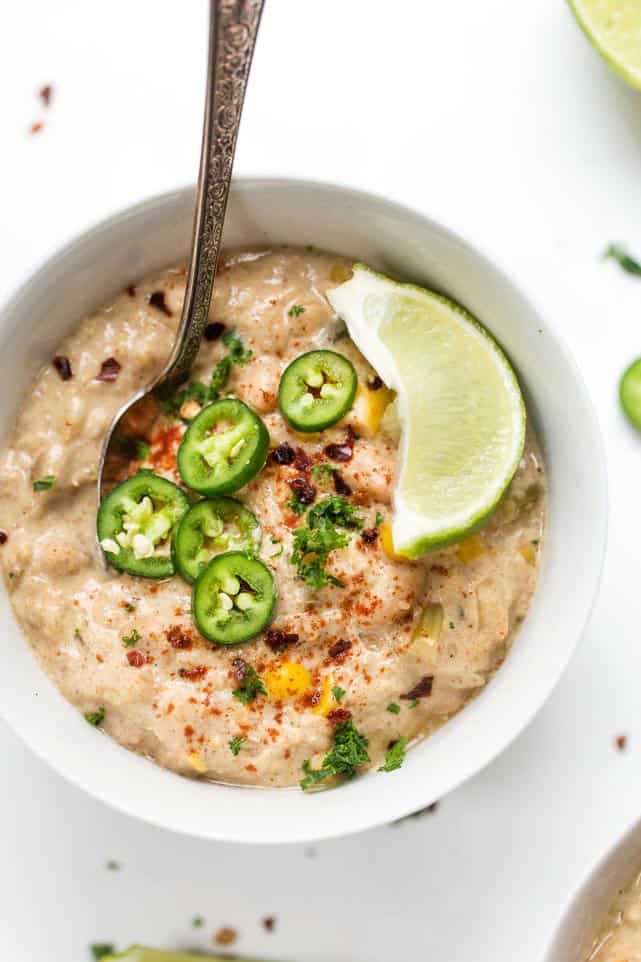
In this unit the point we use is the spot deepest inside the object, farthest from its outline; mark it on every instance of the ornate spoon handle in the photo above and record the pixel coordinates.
(233, 26)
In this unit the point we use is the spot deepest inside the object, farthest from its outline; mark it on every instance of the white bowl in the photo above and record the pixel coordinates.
(587, 909)
(393, 239)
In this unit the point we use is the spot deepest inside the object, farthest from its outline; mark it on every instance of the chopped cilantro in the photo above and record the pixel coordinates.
(206, 393)
(44, 484)
(296, 310)
(250, 686)
(323, 471)
(130, 640)
(197, 922)
(452, 625)
(313, 543)
(394, 708)
(394, 756)
(624, 260)
(95, 717)
(338, 693)
(235, 743)
(348, 753)
(296, 505)
(129, 606)
(100, 949)
(112, 865)
(142, 450)
(379, 519)
(414, 703)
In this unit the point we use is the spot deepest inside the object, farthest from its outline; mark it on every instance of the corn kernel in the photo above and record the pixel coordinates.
(340, 273)
(327, 700)
(528, 553)
(387, 544)
(470, 549)
(196, 761)
(368, 409)
(288, 680)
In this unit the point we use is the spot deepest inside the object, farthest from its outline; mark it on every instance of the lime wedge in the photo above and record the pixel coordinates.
(630, 392)
(613, 27)
(460, 406)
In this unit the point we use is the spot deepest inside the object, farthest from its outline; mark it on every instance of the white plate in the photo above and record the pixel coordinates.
(392, 239)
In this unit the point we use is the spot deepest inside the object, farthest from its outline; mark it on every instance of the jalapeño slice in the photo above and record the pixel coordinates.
(209, 528)
(316, 390)
(233, 598)
(223, 448)
(135, 524)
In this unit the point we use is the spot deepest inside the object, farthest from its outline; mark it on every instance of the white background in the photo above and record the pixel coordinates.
(498, 119)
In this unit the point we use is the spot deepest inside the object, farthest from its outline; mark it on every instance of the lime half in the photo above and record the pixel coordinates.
(630, 392)
(141, 953)
(460, 406)
(613, 27)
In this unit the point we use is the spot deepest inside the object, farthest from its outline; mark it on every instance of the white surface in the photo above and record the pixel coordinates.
(497, 119)
(155, 233)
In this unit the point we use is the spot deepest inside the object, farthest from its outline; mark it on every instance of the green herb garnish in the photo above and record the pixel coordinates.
(338, 693)
(452, 625)
(394, 708)
(414, 703)
(235, 743)
(322, 471)
(616, 253)
(296, 505)
(379, 519)
(44, 484)
(394, 756)
(130, 640)
(129, 606)
(95, 717)
(251, 685)
(314, 543)
(281, 548)
(348, 753)
(197, 922)
(206, 393)
(100, 949)
(296, 310)
(142, 450)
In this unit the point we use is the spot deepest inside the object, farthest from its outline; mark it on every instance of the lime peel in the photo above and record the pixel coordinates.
(460, 406)
(613, 27)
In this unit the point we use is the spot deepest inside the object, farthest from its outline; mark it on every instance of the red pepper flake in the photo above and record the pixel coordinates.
(3, 536)
(188, 731)
(304, 490)
(131, 290)
(109, 370)
(340, 485)
(440, 570)
(62, 365)
(340, 648)
(283, 454)
(226, 935)
(45, 94)
(136, 659)
(312, 699)
(213, 331)
(369, 535)
(339, 715)
(302, 461)
(621, 742)
(421, 690)
(193, 674)
(36, 128)
(278, 641)
(238, 667)
(343, 451)
(178, 637)
(269, 923)
(375, 384)
(157, 300)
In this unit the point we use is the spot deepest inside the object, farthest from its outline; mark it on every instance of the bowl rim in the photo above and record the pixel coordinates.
(590, 876)
(368, 816)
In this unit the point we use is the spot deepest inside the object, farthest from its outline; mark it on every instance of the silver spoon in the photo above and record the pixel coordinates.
(233, 26)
